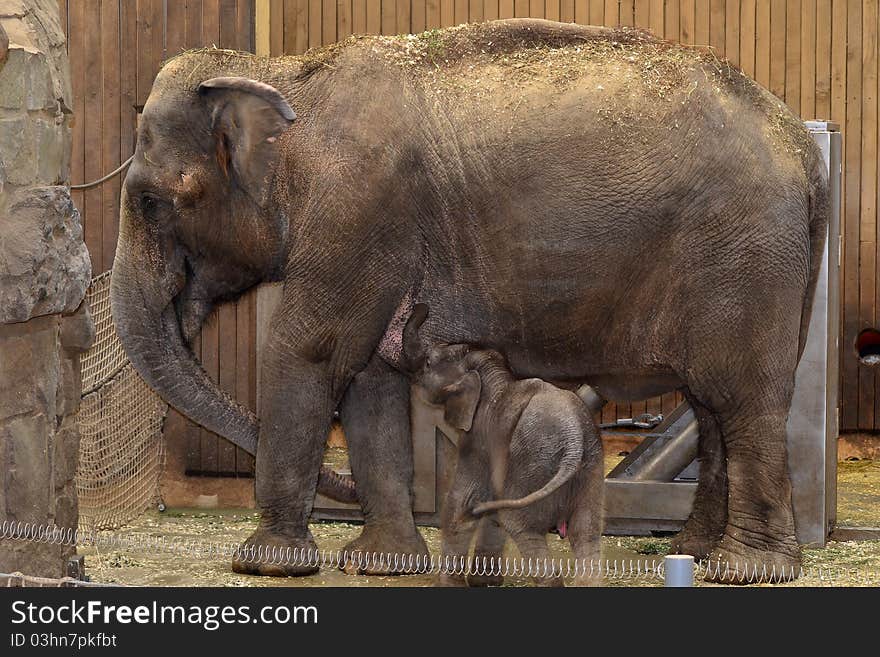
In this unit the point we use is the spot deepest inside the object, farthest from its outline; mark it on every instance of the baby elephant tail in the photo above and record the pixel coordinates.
(569, 464)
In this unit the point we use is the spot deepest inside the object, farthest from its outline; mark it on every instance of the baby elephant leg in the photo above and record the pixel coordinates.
(488, 551)
(585, 530)
(458, 530)
(533, 547)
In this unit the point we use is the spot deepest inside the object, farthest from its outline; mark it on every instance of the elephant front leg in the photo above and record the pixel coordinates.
(296, 413)
(375, 416)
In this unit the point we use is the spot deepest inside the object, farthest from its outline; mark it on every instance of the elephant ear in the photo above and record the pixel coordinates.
(461, 404)
(247, 117)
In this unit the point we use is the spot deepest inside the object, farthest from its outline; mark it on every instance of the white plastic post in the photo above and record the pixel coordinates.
(678, 571)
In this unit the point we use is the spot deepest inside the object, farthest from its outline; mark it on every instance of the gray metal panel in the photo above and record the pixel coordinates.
(812, 424)
(648, 500)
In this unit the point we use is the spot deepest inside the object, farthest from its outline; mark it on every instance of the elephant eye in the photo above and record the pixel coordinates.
(150, 205)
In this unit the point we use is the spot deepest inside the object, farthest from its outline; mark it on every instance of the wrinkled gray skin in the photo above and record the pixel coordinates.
(529, 451)
(589, 226)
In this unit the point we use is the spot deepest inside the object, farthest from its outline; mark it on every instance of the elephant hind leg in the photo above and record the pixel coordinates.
(759, 535)
(533, 547)
(705, 525)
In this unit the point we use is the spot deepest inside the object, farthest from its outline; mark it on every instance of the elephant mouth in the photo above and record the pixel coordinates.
(868, 347)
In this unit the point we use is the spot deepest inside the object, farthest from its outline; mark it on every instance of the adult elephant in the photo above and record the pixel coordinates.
(598, 205)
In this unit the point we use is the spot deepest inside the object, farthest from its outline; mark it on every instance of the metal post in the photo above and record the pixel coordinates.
(678, 571)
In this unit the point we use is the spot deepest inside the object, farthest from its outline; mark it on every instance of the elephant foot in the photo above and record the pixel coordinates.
(734, 562)
(451, 581)
(696, 542)
(274, 555)
(383, 551)
(485, 580)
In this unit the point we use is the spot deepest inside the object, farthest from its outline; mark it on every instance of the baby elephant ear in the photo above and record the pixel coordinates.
(247, 117)
(461, 404)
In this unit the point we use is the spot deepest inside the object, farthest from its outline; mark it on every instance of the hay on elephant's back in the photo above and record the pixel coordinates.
(122, 454)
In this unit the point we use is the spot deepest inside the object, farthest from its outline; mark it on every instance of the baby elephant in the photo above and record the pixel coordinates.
(529, 451)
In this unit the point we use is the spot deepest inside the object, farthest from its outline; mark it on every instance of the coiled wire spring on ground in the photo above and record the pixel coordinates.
(418, 563)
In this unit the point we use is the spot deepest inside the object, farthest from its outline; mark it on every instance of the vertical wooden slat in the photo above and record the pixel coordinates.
(210, 23)
(848, 365)
(852, 162)
(127, 79)
(462, 9)
(419, 16)
(228, 24)
(244, 21)
(359, 16)
(506, 9)
(92, 118)
(823, 59)
(193, 27)
(626, 11)
(175, 32)
(263, 27)
(686, 21)
(808, 58)
(567, 11)
(432, 14)
(596, 12)
(747, 37)
(868, 206)
(491, 11)
(611, 16)
(374, 16)
(389, 16)
(111, 128)
(717, 29)
(865, 310)
(404, 16)
(315, 18)
(701, 23)
(475, 11)
(762, 42)
(227, 361)
(328, 22)
(793, 55)
(657, 17)
(245, 370)
(296, 26)
(671, 22)
(731, 31)
(777, 47)
(343, 18)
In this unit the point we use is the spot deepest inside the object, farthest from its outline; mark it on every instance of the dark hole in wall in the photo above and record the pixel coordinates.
(868, 347)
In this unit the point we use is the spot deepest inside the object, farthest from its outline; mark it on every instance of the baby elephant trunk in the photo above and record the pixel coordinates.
(568, 465)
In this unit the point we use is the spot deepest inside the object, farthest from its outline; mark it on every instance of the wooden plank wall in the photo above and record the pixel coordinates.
(116, 47)
(820, 56)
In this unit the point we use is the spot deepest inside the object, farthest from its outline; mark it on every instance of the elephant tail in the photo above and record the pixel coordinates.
(337, 486)
(818, 216)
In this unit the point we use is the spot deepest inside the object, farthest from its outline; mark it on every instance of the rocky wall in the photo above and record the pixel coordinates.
(44, 272)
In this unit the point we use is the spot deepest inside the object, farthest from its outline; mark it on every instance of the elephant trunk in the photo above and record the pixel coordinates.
(569, 463)
(143, 287)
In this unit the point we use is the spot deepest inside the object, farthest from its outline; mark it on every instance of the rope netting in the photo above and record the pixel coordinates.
(122, 452)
